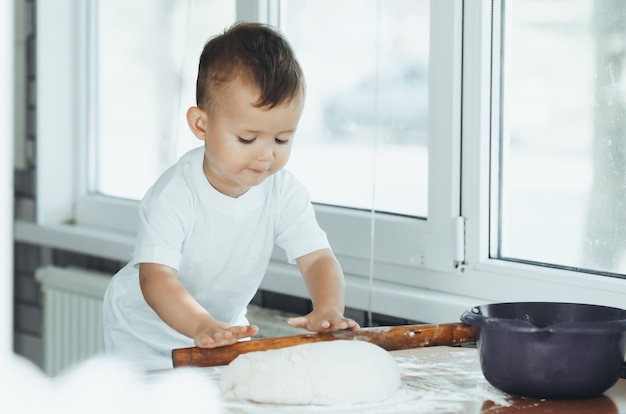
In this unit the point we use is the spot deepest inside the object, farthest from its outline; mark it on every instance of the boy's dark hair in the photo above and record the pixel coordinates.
(255, 53)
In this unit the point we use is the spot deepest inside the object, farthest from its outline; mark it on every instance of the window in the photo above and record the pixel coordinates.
(362, 143)
(515, 191)
(367, 96)
(363, 138)
(563, 152)
(145, 58)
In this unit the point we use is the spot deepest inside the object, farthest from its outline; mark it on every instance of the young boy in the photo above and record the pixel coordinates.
(209, 224)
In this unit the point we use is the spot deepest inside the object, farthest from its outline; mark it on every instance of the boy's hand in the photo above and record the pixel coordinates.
(323, 321)
(221, 334)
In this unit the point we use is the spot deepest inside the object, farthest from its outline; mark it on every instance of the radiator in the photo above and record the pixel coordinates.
(72, 315)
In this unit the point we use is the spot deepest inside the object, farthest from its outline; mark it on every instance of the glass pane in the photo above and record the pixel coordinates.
(146, 57)
(563, 189)
(362, 141)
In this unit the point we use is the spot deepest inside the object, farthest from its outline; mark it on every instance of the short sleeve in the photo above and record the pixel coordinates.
(162, 225)
(298, 231)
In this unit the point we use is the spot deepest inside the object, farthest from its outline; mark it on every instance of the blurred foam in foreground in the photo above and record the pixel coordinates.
(105, 385)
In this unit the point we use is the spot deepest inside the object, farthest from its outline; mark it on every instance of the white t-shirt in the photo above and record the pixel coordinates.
(220, 245)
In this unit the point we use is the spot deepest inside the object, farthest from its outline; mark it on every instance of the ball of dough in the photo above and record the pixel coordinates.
(321, 373)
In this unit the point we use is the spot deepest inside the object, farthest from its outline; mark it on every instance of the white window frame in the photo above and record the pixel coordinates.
(501, 280)
(428, 270)
(433, 248)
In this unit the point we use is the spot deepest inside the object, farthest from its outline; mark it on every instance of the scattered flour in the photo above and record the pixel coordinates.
(449, 381)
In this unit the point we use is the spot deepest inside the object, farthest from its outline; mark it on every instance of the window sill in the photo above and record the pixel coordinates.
(402, 301)
(79, 239)
(387, 298)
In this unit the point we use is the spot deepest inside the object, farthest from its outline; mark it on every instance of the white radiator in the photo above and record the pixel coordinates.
(72, 315)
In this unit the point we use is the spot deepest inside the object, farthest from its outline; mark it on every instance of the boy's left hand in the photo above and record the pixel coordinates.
(323, 321)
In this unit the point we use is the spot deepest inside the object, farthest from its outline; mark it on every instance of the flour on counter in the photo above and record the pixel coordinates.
(458, 377)
(449, 382)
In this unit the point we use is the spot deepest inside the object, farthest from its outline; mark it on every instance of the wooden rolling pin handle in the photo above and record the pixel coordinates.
(390, 338)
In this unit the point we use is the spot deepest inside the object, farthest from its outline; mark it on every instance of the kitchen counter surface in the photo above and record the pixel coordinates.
(443, 380)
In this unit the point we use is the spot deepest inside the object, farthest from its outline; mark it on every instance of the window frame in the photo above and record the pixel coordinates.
(428, 270)
(504, 280)
(432, 249)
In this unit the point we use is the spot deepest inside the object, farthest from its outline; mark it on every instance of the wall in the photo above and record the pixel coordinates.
(7, 126)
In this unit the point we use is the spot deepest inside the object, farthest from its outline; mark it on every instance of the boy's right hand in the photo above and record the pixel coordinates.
(171, 301)
(218, 334)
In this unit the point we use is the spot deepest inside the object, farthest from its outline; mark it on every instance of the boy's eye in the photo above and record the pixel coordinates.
(246, 140)
(281, 141)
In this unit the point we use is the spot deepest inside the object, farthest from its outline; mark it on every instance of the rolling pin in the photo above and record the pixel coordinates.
(390, 338)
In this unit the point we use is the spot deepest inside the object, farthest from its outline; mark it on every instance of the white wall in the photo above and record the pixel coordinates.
(6, 176)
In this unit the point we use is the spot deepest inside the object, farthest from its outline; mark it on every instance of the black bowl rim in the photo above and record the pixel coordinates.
(474, 317)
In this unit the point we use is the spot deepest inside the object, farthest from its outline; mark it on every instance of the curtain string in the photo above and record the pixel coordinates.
(374, 162)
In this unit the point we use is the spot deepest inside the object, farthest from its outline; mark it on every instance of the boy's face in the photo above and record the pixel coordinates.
(244, 144)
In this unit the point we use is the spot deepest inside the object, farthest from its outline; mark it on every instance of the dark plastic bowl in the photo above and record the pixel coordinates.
(549, 350)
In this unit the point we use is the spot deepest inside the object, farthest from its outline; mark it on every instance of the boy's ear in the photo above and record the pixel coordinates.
(197, 120)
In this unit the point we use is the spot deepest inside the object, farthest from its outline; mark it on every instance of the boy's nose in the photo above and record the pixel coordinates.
(266, 153)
